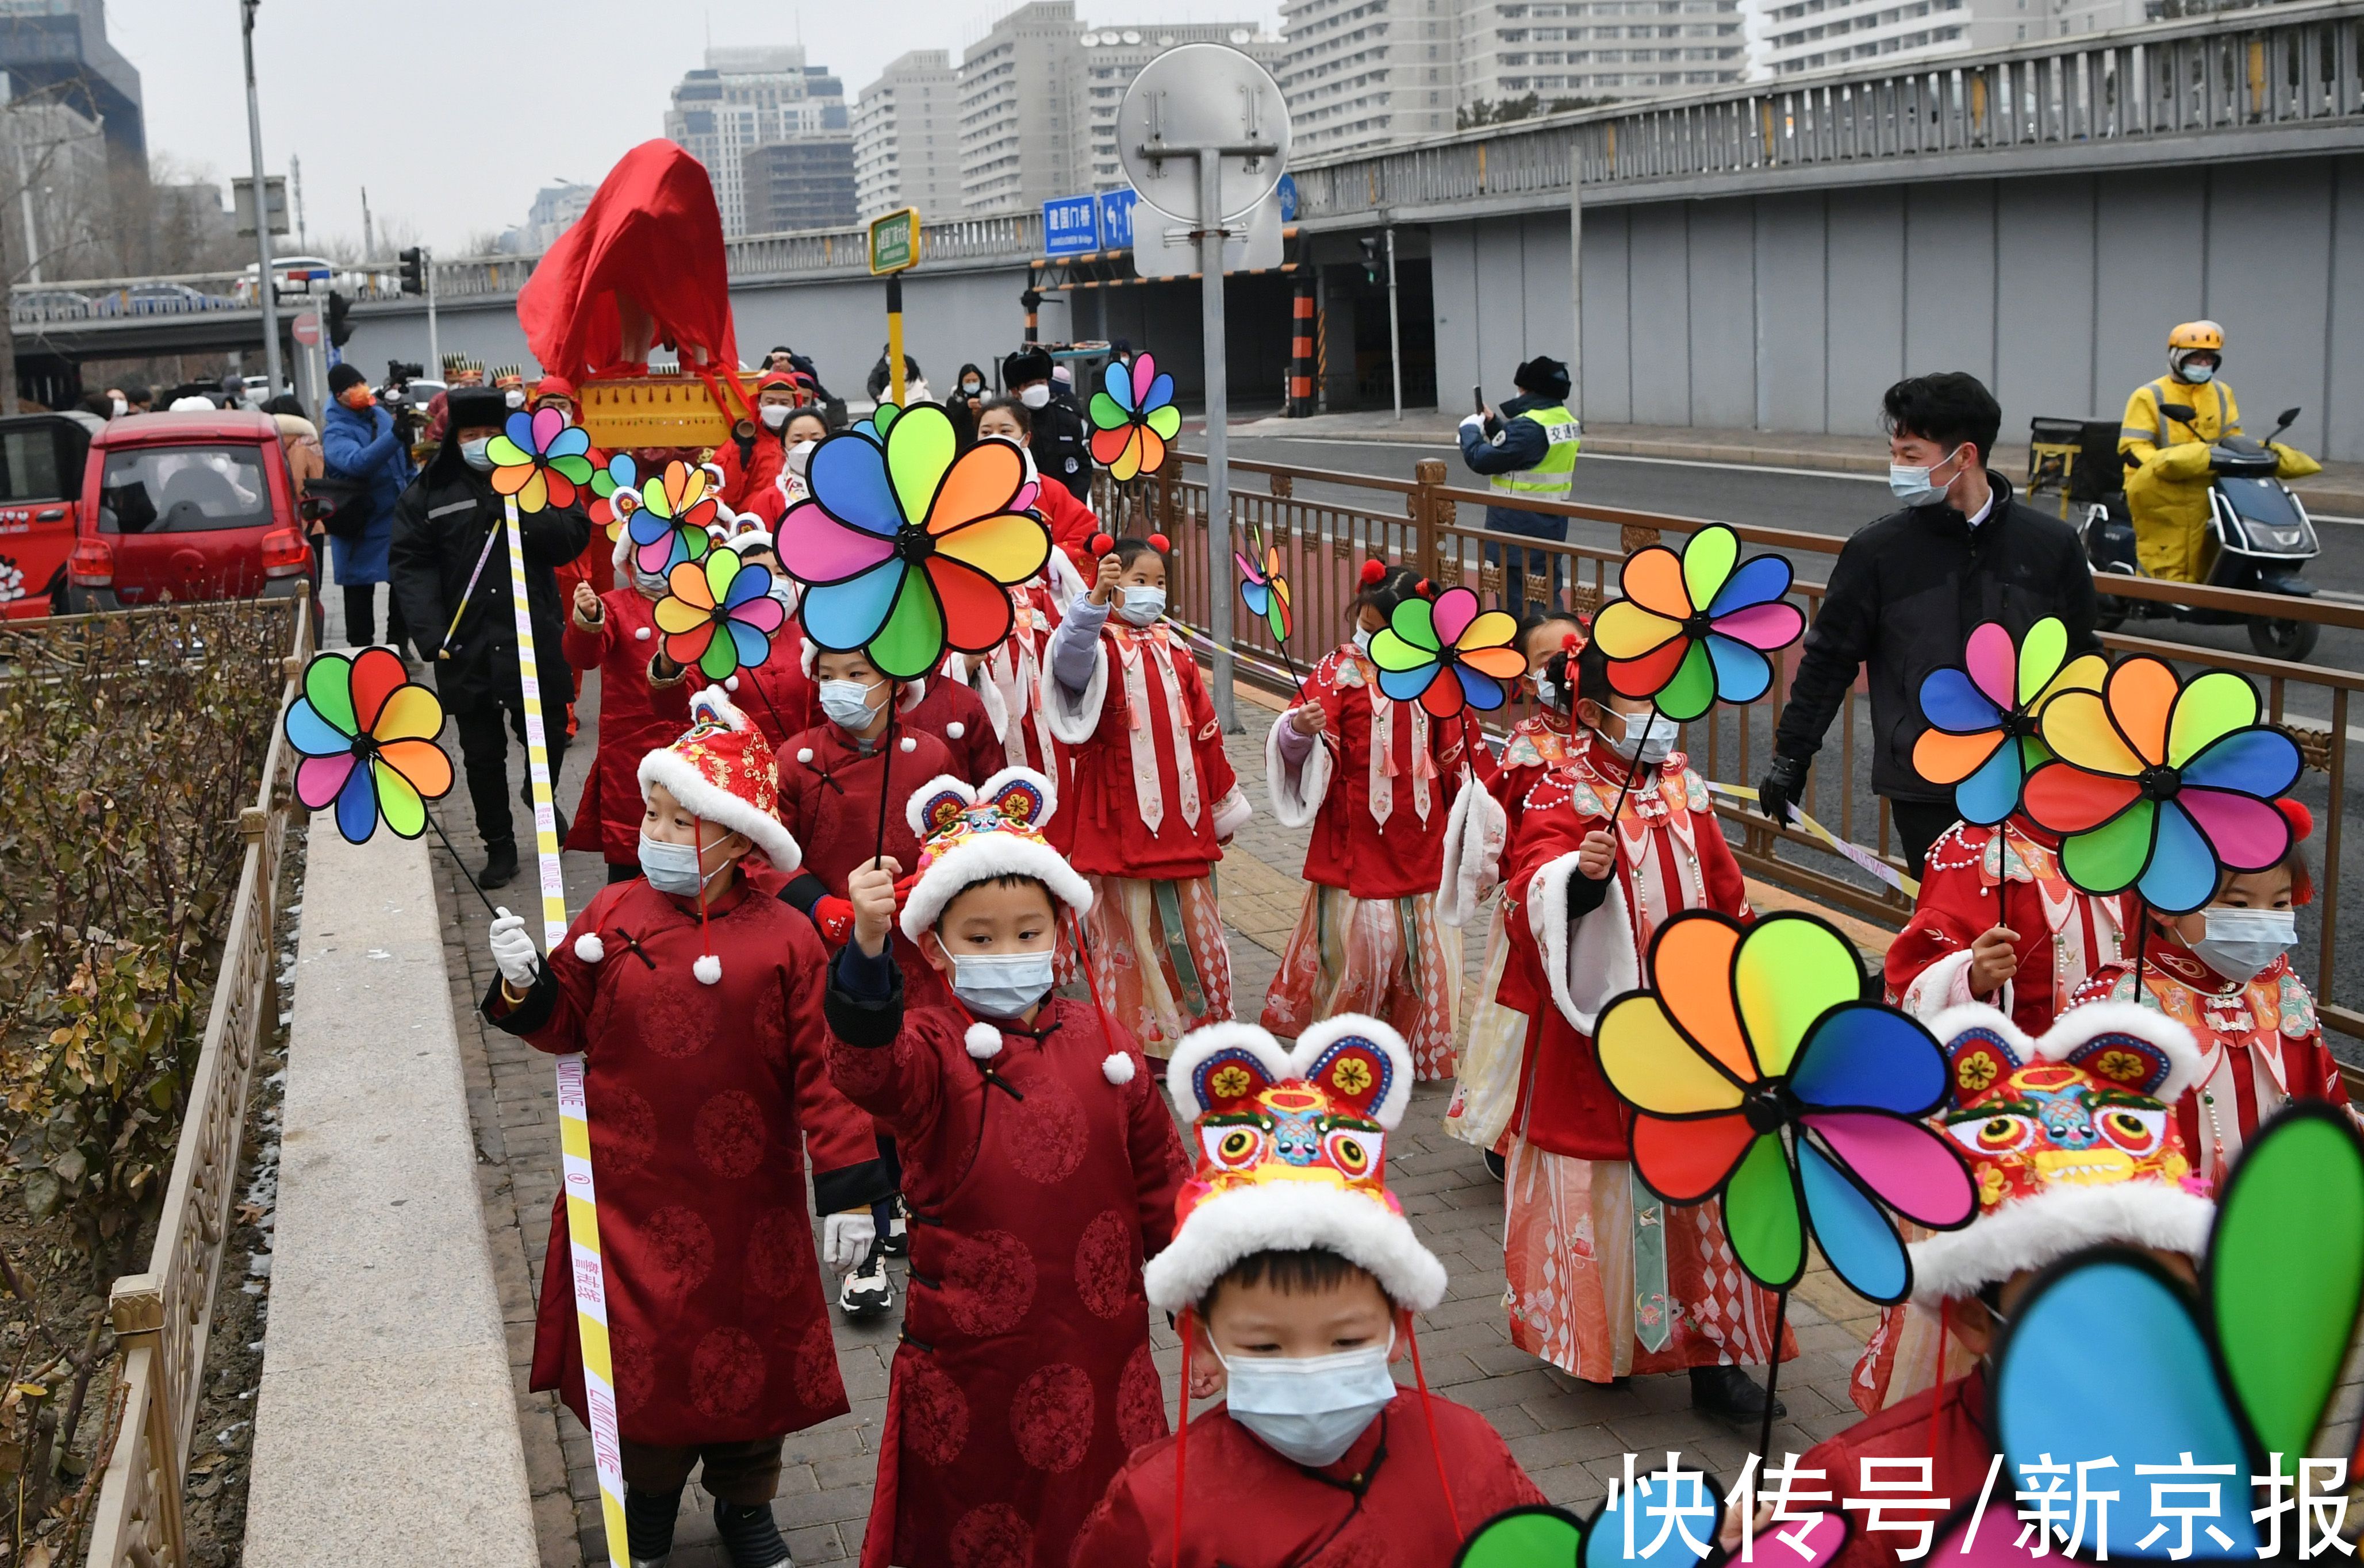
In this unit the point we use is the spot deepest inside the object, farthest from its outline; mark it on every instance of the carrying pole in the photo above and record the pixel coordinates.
(894, 335)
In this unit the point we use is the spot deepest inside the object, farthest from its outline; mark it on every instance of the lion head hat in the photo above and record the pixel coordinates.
(969, 835)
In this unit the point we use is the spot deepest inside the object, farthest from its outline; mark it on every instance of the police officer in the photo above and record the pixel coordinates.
(1527, 450)
(1061, 443)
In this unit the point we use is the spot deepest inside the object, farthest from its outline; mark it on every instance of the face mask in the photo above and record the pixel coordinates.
(514, 398)
(1311, 1408)
(783, 592)
(1645, 738)
(120, 407)
(2240, 943)
(1000, 985)
(672, 868)
(477, 454)
(1036, 397)
(357, 398)
(800, 455)
(971, 388)
(2199, 375)
(774, 415)
(1547, 692)
(1142, 606)
(650, 586)
(1362, 641)
(847, 703)
(1913, 486)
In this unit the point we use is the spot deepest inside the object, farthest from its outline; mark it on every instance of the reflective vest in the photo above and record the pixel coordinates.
(1554, 479)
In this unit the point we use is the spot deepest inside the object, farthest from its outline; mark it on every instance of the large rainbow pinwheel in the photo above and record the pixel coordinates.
(669, 525)
(1134, 417)
(1448, 655)
(367, 735)
(881, 420)
(539, 459)
(1982, 714)
(719, 614)
(614, 492)
(1757, 1071)
(905, 550)
(2155, 783)
(1694, 629)
(1264, 590)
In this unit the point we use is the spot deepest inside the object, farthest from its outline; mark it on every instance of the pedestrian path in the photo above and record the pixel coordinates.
(1570, 1436)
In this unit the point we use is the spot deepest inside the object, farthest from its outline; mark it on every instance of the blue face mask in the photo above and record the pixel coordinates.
(1142, 606)
(847, 703)
(1309, 1408)
(1000, 985)
(477, 454)
(1918, 486)
(2198, 374)
(2242, 943)
(672, 868)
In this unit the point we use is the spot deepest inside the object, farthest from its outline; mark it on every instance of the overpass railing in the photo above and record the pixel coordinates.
(1326, 524)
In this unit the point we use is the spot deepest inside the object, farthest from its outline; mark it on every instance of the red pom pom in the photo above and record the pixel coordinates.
(1160, 543)
(1571, 643)
(1371, 572)
(2301, 820)
(1102, 544)
(1424, 588)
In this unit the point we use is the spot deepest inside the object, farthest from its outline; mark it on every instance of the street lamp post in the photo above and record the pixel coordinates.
(264, 291)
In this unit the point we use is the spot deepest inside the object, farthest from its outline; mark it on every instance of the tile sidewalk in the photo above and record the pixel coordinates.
(1570, 1435)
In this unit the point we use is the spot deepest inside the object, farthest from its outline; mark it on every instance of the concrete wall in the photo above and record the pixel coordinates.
(1792, 311)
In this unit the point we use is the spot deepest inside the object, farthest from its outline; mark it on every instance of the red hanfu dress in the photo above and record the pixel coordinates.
(1605, 1279)
(1025, 1379)
(1007, 681)
(1377, 786)
(636, 717)
(703, 1101)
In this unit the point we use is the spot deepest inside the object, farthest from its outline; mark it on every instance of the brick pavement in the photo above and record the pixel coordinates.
(1570, 1435)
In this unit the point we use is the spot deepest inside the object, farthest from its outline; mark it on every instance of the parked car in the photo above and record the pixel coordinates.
(181, 507)
(158, 299)
(50, 305)
(41, 463)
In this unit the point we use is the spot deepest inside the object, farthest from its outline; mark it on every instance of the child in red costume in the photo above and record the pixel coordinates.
(2223, 972)
(1484, 823)
(1290, 1248)
(1605, 1279)
(643, 703)
(755, 455)
(1154, 799)
(697, 1002)
(1377, 779)
(1041, 1170)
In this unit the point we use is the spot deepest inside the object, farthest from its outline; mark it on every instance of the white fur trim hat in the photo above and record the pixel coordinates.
(723, 770)
(971, 835)
(1290, 1147)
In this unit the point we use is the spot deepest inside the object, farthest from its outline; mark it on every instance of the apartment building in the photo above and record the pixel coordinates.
(1019, 112)
(1366, 73)
(1596, 49)
(745, 98)
(1106, 61)
(906, 139)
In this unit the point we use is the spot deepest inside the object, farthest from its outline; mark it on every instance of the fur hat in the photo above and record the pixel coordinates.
(971, 835)
(1291, 1150)
(1542, 375)
(723, 770)
(2071, 1140)
(1025, 365)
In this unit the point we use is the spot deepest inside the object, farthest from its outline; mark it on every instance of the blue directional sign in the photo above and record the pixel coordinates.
(1116, 218)
(1070, 225)
(1289, 198)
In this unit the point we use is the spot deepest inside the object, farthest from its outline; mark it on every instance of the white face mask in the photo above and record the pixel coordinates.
(119, 406)
(1363, 640)
(783, 592)
(1309, 1408)
(800, 455)
(514, 397)
(1000, 985)
(1037, 396)
(774, 415)
(2242, 943)
(1647, 737)
(1141, 606)
(673, 868)
(477, 454)
(847, 703)
(651, 586)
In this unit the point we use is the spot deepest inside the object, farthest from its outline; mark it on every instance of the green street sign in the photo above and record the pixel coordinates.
(895, 240)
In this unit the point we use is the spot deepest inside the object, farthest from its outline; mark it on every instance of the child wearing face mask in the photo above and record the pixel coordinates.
(1154, 799)
(696, 1004)
(643, 703)
(1649, 1294)
(1296, 1276)
(1041, 1171)
(2223, 972)
(1377, 780)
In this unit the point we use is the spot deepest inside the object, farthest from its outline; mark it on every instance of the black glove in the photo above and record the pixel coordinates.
(1783, 783)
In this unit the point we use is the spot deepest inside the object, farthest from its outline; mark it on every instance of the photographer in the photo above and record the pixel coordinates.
(368, 463)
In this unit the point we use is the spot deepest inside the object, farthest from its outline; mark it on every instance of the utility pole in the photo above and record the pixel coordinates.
(296, 195)
(32, 229)
(369, 234)
(264, 291)
(1395, 330)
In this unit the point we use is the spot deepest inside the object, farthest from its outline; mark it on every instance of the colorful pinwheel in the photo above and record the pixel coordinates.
(905, 550)
(1133, 418)
(614, 492)
(1982, 714)
(541, 459)
(882, 419)
(1757, 1071)
(2156, 783)
(1448, 654)
(719, 614)
(367, 736)
(1694, 629)
(669, 525)
(1264, 590)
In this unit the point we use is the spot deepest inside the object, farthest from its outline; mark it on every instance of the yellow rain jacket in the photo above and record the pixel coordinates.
(2168, 495)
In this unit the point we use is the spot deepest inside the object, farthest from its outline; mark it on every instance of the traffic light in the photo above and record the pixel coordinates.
(1371, 258)
(414, 270)
(341, 326)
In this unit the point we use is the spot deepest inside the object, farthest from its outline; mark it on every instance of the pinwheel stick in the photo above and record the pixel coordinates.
(1773, 1373)
(1633, 771)
(886, 771)
(462, 864)
(2142, 941)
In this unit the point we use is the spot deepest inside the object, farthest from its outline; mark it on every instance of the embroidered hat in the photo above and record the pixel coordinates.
(723, 770)
(2071, 1140)
(1290, 1150)
(971, 835)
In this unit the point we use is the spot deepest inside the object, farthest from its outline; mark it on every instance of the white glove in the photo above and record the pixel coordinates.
(1476, 419)
(513, 950)
(845, 1237)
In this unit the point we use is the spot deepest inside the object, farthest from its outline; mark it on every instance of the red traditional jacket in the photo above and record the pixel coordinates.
(1538, 747)
(2008, 876)
(1671, 856)
(1378, 784)
(703, 1102)
(2261, 1043)
(777, 694)
(745, 481)
(635, 720)
(1381, 1506)
(1945, 1426)
(954, 715)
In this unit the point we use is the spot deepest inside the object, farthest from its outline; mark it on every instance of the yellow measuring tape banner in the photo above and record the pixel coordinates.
(573, 1117)
(1880, 867)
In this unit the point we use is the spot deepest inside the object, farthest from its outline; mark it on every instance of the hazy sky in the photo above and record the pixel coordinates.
(454, 112)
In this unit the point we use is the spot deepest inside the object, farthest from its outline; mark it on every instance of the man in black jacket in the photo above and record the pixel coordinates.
(446, 559)
(1907, 592)
(1061, 441)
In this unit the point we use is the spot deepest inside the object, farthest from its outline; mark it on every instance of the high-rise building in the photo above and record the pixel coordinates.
(1366, 73)
(61, 46)
(906, 138)
(1106, 61)
(1512, 50)
(804, 182)
(554, 210)
(1815, 35)
(1019, 111)
(745, 98)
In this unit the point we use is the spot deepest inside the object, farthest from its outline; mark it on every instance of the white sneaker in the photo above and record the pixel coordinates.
(898, 1237)
(867, 1291)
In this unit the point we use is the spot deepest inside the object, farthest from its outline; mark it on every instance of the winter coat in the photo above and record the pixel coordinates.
(636, 717)
(751, 469)
(362, 448)
(1062, 445)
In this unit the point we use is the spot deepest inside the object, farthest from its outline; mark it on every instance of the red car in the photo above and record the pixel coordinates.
(181, 507)
(41, 461)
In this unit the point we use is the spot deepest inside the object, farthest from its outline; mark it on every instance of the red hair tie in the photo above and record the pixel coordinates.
(1570, 643)
(1161, 544)
(1371, 572)
(1424, 588)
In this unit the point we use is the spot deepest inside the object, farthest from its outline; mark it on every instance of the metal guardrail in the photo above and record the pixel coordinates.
(1419, 522)
(163, 1317)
